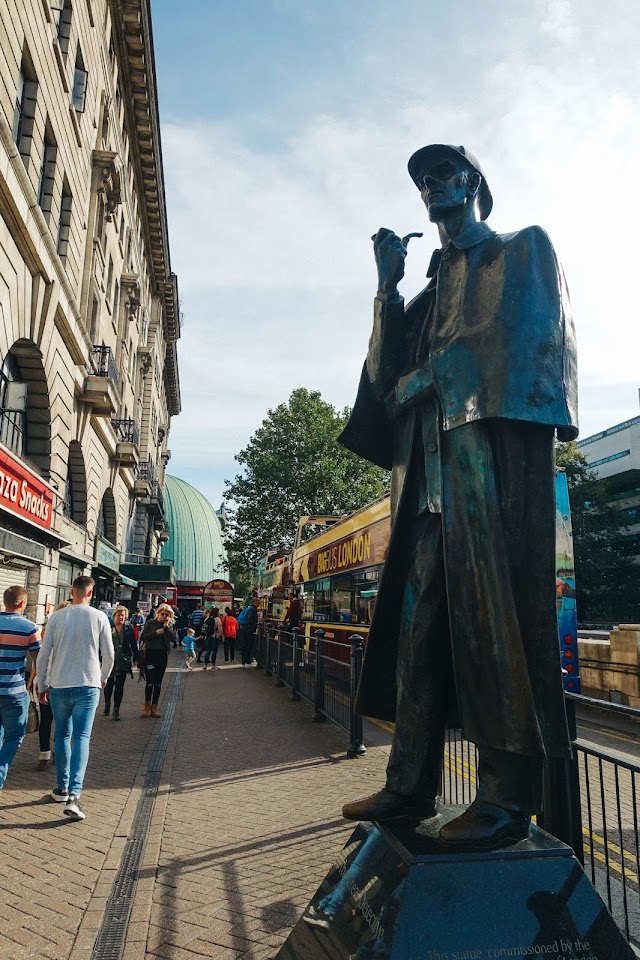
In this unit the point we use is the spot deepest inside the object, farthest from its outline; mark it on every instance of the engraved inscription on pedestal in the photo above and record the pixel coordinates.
(394, 893)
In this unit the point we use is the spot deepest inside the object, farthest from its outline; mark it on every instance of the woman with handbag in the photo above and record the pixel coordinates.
(155, 644)
(125, 649)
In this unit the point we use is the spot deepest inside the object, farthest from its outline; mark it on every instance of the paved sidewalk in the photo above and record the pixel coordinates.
(245, 824)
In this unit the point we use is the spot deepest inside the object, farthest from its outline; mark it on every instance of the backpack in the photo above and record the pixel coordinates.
(243, 615)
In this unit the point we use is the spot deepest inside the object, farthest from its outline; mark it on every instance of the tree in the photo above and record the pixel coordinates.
(294, 466)
(607, 580)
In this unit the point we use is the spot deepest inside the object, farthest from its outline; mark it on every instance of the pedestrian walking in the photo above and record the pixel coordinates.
(230, 630)
(182, 623)
(293, 616)
(18, 637)
(196, 618)
(46, 714)
(137, 622)
(188, 645)
(70, 677)
(212, 631)
(155, 644)
(125, 652)
(249, 628)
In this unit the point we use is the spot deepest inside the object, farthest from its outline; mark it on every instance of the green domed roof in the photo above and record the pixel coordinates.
(195, 545)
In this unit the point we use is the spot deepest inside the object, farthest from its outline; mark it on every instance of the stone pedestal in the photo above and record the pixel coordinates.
(395, 893)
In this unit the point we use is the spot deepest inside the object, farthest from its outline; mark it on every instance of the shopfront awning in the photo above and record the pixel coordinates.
(128, 582)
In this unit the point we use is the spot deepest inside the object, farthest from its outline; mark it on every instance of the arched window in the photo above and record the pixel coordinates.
(107, 526)
(75, 499)
(25, 414)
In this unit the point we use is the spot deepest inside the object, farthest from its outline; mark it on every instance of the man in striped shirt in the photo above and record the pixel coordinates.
(18, 636)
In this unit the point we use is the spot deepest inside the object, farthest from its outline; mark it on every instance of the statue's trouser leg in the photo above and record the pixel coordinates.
(499, 534)
(424, 672)
(509, 780)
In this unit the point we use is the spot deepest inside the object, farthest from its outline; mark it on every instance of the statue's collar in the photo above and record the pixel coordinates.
(473, 235)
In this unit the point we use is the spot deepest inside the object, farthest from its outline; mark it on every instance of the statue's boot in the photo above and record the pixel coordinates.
(386, 805)
(509, 793)
(485, 826)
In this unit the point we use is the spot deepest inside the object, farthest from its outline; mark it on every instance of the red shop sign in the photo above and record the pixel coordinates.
(23, 493)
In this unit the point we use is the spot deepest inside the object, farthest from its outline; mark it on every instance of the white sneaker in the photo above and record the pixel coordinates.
(73, 810)
(60, 796)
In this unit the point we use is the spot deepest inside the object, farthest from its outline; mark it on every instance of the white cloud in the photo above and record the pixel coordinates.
(273, 252)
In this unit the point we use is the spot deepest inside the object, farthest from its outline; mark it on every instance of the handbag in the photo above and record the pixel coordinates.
(33, 716)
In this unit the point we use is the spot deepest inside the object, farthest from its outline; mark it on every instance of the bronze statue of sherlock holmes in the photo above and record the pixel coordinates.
(460, 396)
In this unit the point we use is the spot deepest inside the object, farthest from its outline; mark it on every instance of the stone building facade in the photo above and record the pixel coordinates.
(89, 313)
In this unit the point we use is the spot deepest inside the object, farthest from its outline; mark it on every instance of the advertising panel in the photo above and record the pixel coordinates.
(217, 593)
(363, 548)
(23, 493)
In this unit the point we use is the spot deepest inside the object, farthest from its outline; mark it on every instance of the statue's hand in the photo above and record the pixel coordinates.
(390, 251)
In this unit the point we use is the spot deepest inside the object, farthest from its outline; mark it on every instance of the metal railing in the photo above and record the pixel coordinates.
(325, 675)
(592, 802)
(156, 493)
(145, 471)
(126, 431)
(103, 363)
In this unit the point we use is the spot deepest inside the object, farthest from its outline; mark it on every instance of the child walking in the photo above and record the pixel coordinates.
(189, 647)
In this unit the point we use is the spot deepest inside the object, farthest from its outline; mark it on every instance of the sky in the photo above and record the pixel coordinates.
(286, 129)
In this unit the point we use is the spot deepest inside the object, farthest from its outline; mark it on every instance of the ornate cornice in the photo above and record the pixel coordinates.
(133, 39)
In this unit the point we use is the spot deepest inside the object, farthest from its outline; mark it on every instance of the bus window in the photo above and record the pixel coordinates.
(341, 600)
(322, 601)
(366, 589)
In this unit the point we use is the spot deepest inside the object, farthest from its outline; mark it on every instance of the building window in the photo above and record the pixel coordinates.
(121, 234)
(116, 301)
(80, 76)
(47, 171)
(63, 11)
(101, 215)
(105, 127)
(93, 330)
(13, 406)
(64, 226)
(109, 280)
(25, 108)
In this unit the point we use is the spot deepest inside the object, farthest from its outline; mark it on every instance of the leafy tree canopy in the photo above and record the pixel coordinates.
(294, 466)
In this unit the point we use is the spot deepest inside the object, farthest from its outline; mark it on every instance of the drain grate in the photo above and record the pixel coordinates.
(112, 934)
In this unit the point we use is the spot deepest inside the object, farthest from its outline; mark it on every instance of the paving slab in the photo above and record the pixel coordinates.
(245, 824)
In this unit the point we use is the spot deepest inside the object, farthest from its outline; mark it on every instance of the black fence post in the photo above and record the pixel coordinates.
(296, 665)
(279, 680)
(318, 715)
(267, 666)
(356, 745)
(561, 808)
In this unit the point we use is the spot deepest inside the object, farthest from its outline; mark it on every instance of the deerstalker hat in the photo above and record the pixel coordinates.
(425, 158)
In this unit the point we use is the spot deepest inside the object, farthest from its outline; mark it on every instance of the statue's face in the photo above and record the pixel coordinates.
(447, 186)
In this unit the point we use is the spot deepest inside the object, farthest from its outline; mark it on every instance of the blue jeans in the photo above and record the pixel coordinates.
(13, 724)
(73, 711)
(212, 649)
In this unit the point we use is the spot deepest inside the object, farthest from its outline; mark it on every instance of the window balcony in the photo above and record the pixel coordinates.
(127, 447)
(100, 387)
(144, 479)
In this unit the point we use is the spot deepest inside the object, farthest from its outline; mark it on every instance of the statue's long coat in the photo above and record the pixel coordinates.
(490, 337)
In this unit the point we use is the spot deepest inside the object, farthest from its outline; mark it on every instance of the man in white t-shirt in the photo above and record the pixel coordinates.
(70, 675)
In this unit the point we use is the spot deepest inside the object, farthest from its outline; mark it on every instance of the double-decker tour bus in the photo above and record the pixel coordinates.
(336, 573)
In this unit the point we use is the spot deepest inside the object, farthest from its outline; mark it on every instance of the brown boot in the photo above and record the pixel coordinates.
(154, 711)
(145, 710)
